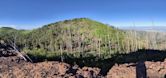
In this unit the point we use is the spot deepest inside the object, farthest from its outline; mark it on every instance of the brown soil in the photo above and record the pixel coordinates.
(11, 67)
(140, 70)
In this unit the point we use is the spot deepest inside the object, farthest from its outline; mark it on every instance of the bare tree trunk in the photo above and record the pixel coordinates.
(136, 42)
(109, 44)
(71, 43)
(82, 46)
(148, 41)
(62, 59)
(128, 42)
(118, 45)
(79, 46)
(99, 47)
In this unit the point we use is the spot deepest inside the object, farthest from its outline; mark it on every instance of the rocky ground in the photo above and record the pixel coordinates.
(139, 70)
(12, 67)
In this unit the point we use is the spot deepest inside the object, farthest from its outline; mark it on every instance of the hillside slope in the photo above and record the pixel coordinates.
(79, 36)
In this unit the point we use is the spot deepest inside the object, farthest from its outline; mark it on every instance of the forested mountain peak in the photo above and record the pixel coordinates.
(78, 35)
(78, 23)
(77, 26)
(72, 34)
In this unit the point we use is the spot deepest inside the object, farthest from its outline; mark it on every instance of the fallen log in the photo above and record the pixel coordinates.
(11, 48)
(22, 54)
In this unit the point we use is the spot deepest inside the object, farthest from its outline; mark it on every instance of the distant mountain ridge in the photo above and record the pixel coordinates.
(146, 28)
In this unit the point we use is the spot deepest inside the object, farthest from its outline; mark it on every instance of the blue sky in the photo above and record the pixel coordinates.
(28, 14)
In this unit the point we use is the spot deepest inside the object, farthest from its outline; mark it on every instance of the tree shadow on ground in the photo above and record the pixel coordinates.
(141, 70)
(106, 64)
